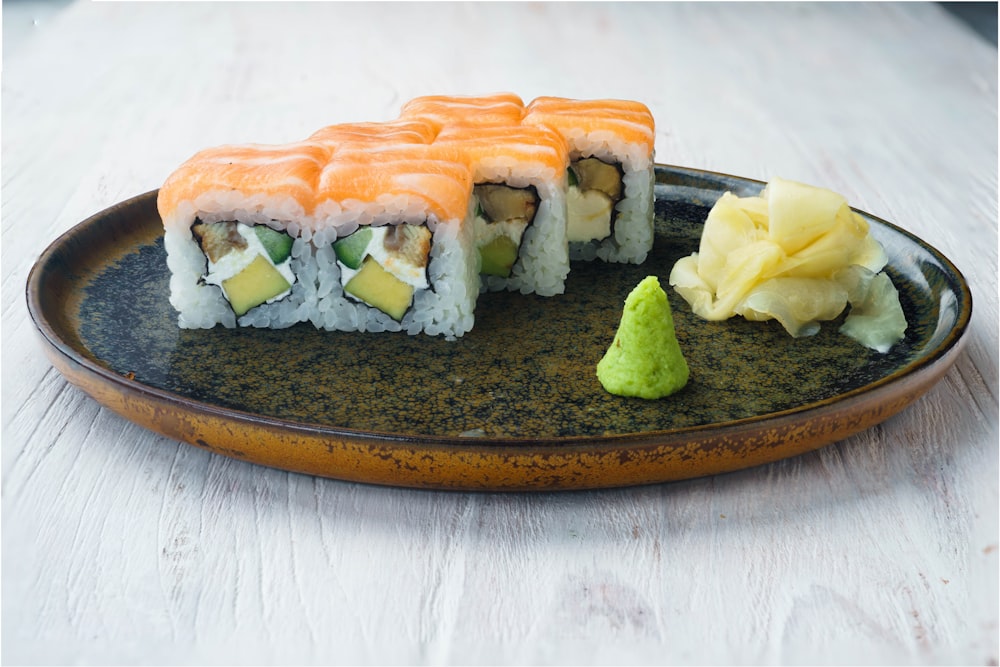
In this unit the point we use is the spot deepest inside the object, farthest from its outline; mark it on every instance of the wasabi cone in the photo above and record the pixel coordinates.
(644, 360)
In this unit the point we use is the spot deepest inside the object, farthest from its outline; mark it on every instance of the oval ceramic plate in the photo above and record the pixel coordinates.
(515, 403)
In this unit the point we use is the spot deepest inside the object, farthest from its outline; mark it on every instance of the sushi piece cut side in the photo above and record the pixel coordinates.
(250, 264)
(595, 188)
(384, 266)
(396, 221)
(519, 193)
(610, 197)
(503, 214)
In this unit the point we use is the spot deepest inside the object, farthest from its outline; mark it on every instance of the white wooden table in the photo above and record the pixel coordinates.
(121, 546)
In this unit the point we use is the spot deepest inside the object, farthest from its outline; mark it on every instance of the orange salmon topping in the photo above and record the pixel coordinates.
(444, 185)
(444, 110)
(488, 147)
(631, 121)
(432, 152)
(359, 135)
(287, 170)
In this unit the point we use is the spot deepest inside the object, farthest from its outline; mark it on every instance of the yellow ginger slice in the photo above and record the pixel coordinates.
(783, 255)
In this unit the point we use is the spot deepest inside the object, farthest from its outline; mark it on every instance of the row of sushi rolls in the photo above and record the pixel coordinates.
(399, 225)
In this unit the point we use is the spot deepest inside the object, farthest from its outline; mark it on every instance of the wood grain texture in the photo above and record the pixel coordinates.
(123, 547)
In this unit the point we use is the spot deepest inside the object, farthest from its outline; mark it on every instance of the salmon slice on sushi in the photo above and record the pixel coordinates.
(610, 194)
(477, 110)
(371, 134)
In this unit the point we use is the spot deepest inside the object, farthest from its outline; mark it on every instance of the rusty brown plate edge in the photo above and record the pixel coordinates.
(420, 461)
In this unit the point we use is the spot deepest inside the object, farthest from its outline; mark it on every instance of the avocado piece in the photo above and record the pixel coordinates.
(277, 244)
(502, 202)
(254, 285)
(498, 256)
(351, 249)
(588, 215)
(594, 174)
(380, 289)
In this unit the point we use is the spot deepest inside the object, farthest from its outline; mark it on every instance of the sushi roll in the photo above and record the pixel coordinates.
(232, 219)
(519, 192)
(393, 246)
(610, 195)
(345, 238)
(478, 110)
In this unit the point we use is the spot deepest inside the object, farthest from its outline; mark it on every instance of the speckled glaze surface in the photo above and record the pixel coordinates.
(515, 403)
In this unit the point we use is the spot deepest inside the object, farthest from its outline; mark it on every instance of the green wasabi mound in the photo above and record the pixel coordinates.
(644, 359)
